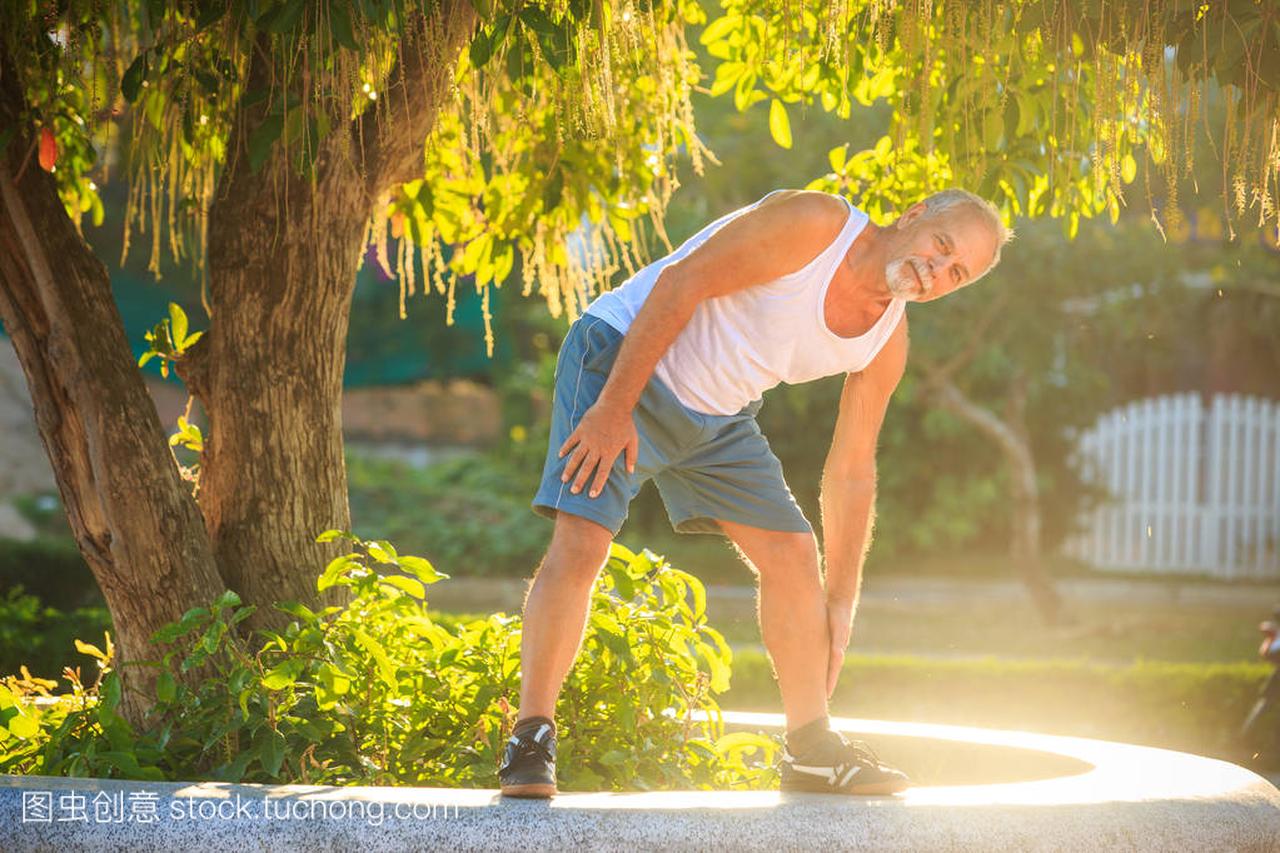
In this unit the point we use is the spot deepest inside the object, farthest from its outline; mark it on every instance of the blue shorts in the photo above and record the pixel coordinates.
(706, 467)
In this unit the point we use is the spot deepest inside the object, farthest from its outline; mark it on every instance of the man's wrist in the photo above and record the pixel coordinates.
(612, 398)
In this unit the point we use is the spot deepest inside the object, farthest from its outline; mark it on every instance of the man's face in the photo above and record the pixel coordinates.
(935, 255)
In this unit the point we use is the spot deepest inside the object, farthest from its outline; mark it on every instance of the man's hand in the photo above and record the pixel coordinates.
(603, 433)
(839, 628)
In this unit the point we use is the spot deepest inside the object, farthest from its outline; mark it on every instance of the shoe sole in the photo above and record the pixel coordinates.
(531, 790)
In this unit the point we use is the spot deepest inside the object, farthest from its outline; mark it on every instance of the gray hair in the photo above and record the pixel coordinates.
(950, 200)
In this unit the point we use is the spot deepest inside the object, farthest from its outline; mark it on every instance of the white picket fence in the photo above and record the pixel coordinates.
(1192, 488)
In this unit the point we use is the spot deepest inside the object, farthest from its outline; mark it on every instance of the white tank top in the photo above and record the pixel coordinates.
(737, 346)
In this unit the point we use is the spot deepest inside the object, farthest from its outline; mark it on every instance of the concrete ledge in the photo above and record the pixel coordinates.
(979, 790)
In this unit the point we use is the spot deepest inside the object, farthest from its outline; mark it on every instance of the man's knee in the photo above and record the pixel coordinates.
(579, 547)
(775, 552)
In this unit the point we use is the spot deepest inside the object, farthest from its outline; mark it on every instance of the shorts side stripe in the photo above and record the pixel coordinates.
(573, 416)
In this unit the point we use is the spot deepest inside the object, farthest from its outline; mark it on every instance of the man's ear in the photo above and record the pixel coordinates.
(912, 214)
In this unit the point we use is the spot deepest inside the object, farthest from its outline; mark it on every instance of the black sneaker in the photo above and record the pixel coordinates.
(840, 766)
(529, 764)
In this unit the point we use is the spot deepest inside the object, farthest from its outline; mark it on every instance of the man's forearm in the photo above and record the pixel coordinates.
(848, 515)
(664, 313)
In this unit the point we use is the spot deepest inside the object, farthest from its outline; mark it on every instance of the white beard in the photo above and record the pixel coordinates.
(902, 281)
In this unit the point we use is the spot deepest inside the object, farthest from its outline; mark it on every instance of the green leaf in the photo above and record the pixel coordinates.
(261, 140)
(294, 608)
(340, 25)
(334, 570)
(227, 599)
(481, 50)
(1128, 168)
(380, 552)
(409, 585)
(178, 325)
(992, 128)
(24, 726)
(553, 190)
(283, 18)
(166, 687)
(131, 82)
(211, 14)
(422, 569)
(615, 757)
(334, 679)
(331, 535)
(779, 124)
(111, 691)
(90, 649)
(727, 74)
(719, 29)
(272, 752)
(536, 19)
(212, 636)
(386, 670)
(719, 667)
(557, 46)
(283, 674)
(837, 157)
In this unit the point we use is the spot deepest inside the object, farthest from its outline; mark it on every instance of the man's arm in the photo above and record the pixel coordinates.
(778, 237)
(849, 488)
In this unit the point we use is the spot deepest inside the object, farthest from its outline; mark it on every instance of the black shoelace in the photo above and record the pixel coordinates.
(863, 751)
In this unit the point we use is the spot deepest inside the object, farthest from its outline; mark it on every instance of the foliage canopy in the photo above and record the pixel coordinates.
(573, 109)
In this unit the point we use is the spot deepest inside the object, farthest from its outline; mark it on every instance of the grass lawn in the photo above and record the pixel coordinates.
(975, 620)
(1104, 631)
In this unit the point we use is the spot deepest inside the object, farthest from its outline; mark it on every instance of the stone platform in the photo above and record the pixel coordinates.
(978, 790)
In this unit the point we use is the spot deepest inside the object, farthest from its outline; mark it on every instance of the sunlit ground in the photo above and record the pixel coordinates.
(1107, 772)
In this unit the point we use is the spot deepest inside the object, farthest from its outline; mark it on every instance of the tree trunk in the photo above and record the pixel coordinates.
(133, 519)
(282, 266)
(1013, 442)
(283, 255)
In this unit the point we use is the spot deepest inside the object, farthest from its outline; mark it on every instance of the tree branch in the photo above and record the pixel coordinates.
(193, 370)
(942, 373)
(391, 136)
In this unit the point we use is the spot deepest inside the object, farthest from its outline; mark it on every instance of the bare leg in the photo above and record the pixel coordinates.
(555, 611)
(793, 615)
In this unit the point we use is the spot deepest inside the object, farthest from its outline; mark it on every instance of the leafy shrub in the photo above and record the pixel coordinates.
(49, 568)
(40, 636)
(376, 692)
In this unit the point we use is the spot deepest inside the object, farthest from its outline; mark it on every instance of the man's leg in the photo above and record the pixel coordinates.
(793, 615)
(555, 610)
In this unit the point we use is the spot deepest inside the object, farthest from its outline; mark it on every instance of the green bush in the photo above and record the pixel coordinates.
(49, 568)
(377, 692)
(38, 636)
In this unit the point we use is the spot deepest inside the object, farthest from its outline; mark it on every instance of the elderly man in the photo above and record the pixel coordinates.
(662, 377)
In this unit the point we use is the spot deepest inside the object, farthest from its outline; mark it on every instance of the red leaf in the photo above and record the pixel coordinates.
(48, 149)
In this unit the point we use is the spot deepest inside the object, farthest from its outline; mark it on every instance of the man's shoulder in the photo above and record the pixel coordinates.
(808, 215)
(809, 203)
